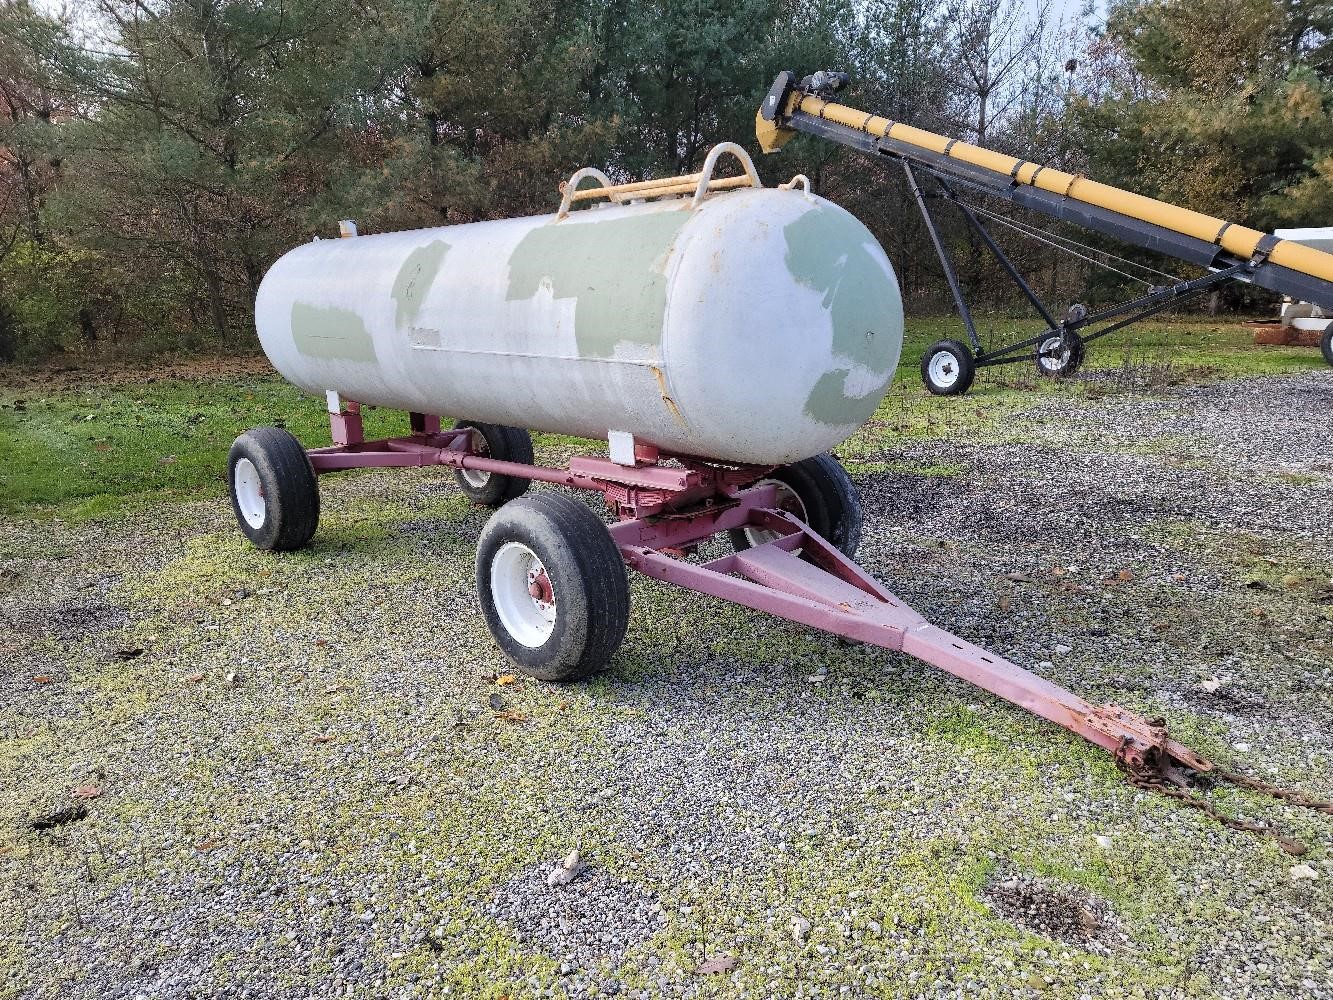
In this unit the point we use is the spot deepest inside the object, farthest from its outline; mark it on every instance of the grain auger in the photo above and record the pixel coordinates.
(939, 168)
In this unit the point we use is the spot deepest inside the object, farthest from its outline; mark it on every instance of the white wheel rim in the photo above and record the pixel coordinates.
(249, 492)
(788, 500)
(477, 480)
(1053, 362)
(523, 594)
(944, 369)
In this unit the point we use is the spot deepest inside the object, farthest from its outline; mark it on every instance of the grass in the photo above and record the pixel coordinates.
(90, 449)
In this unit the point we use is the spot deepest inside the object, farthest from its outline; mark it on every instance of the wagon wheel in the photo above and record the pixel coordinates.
(507, 444)
(1060, 355)
(552, 587)
(819, 492)
(274, 489)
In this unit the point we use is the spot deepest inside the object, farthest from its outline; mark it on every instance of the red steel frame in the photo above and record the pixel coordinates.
(665, 511)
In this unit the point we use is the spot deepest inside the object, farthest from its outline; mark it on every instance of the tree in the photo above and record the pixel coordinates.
(44, 291)
(483, 107)
(1232, 110)
(27, 106)
(206, 132)
(988, 42)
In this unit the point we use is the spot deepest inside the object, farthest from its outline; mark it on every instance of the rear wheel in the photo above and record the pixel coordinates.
(1060, 355)
(274, 489)
(947, 368)
(507, 444)
(552, 587)
(1326, 343)
(819, 492)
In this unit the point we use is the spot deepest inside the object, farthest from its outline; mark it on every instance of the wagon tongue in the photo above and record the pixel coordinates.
(802, 577)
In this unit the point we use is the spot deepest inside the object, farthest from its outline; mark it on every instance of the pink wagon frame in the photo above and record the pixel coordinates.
(665, 511)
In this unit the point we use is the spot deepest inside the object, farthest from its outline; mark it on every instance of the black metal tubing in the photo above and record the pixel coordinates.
(1000, 255)
(1143, 234)
(1222, 265)
(945, 260)
(1147, 305)
(1181, 289)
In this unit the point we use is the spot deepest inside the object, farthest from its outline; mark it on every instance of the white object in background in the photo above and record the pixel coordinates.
(1306, 315)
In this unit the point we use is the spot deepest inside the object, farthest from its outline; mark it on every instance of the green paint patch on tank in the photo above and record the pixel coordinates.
(614, 269)
(827, 251)
(331, 333)
(414, 280)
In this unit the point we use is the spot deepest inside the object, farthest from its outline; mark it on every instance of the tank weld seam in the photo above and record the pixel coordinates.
(637, 362)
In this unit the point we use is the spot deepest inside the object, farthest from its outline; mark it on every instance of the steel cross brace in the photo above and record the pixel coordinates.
(1139, 308)
(801, 577)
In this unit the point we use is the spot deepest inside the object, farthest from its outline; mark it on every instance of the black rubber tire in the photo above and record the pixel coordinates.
(831, 503)
(1326, 343)
(508, 444)
(587, 577)
(288, 487)
(962, 356)
(1071, 363)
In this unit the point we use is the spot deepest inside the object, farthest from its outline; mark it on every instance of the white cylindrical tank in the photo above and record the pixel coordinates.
(761, 326)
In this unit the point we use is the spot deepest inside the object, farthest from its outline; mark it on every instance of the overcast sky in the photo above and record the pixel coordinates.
(1067, 9)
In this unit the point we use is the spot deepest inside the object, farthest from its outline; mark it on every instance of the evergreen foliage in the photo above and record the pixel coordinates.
(157, 155)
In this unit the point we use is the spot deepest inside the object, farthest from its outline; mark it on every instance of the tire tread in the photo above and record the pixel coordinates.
(507, 444)
(831, 502)
(967, 367)
(294, 507)
(596, 564)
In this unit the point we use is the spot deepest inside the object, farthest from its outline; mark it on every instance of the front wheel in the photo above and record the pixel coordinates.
(1326, 343)
(552, 587)
(947, 368)
(274, 489)
(819, 492)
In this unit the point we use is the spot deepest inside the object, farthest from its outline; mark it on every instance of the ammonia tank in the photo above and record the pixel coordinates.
(762, 326)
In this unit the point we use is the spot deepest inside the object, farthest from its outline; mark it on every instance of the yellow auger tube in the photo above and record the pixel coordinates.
(1237, 240)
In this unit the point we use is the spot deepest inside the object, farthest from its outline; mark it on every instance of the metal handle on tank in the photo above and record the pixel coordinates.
(699, 183)
(570, 188)
(801, 181)
(710, 164)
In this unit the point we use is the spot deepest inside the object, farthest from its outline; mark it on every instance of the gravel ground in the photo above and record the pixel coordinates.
(286, 777)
